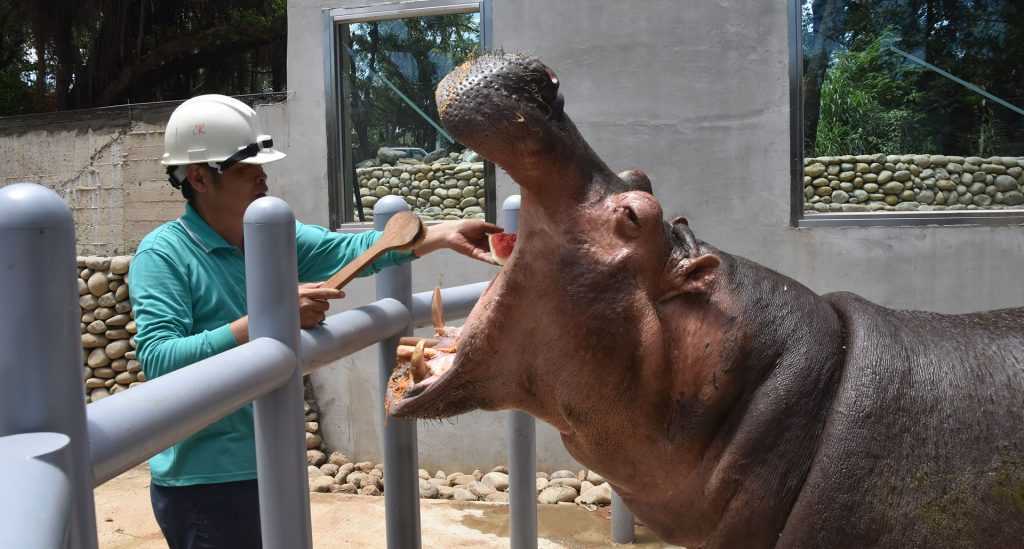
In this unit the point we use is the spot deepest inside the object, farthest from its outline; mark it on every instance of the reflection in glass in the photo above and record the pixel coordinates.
(913, 105)
(396, 145)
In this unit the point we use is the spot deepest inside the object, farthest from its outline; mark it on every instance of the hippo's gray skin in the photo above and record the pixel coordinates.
(772, 416)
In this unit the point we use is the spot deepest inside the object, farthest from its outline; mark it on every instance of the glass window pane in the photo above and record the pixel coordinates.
(389, 72)
(913, 105)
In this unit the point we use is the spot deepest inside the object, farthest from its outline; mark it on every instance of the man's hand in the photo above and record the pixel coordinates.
(467, 237)
(313, 307)
(313, 303)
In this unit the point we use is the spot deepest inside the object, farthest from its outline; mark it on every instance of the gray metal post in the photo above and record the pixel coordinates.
(401, 483)
(40, 338)
(35, 507)
(522, 441)
(272, 296)
(622, 521)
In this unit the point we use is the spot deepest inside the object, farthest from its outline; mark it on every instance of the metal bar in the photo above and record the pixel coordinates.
(458, 302)
(35, 508)
(401, 486)
(522, 487)
(271, 279)
(345, 333)
(486, 25)
(908, 219)
(622, 521)
(173, 406)
(973, 87)
(404, 98)
(40, 338)
(403, 9)
(796, 114)
(337, 198)
(522, 441)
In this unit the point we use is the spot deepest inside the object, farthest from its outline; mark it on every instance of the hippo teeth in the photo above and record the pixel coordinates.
(422, 361)
(421, 386)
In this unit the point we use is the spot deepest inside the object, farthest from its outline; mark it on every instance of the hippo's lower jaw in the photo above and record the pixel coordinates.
(430, 380)
(421, 363)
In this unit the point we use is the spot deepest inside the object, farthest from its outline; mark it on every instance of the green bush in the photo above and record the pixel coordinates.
(870, 104)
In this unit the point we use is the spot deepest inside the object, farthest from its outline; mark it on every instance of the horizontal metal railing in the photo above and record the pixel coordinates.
(178, 404)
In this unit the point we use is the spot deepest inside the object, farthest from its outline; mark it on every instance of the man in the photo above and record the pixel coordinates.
(187, 283)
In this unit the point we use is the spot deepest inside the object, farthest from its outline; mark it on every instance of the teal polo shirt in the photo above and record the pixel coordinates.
(187, 285)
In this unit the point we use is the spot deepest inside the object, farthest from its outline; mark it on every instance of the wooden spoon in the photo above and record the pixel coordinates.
(403, 231)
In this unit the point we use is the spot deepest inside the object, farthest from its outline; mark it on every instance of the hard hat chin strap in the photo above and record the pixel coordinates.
(249, 151)
(177, 174)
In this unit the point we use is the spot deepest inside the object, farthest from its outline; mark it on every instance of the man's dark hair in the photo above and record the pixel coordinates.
(187, 192)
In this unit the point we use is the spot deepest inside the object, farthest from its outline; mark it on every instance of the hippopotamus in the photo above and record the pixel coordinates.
(772, 416)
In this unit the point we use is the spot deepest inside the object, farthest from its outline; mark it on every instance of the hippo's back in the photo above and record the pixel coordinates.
(924, 443)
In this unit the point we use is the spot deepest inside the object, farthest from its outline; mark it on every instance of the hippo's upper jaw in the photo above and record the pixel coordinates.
(507, 107)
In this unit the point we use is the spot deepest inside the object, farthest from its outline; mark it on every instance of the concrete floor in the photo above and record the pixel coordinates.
(125, 520)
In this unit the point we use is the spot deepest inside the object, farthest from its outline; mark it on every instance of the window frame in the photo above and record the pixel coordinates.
(798, 219)
(340, 165)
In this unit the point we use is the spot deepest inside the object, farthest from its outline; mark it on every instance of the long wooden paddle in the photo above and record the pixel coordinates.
(403, 231)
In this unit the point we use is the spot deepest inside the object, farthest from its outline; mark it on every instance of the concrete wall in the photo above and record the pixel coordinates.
(106, 164)
(696, 94)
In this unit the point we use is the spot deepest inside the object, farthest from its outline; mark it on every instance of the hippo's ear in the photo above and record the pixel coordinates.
(690, 276)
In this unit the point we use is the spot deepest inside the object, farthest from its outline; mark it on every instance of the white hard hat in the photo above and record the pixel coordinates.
(217, 130)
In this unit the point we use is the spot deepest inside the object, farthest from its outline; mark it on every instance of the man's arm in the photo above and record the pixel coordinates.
(162, 305)
(322, 252)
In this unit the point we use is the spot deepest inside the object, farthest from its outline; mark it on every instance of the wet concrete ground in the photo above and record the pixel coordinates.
(125, 520)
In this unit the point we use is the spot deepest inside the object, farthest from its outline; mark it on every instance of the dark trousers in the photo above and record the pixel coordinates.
(209, 516)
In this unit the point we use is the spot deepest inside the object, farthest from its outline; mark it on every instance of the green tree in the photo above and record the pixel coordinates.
(870, 103)
(66, 54)
(979, 41)
(412, 55)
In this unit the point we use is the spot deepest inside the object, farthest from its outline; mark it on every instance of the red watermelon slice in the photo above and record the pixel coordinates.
(501, 246)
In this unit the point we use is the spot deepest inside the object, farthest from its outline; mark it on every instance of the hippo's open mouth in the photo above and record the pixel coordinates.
(421, 364)
(507, 108)
(429, 371)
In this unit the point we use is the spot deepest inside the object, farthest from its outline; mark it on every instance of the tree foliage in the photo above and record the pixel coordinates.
(64, 54)
(412, 55)
(870, 104)
(868, 96)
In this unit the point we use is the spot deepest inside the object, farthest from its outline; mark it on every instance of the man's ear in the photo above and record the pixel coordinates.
(200, 178)
(691, 276)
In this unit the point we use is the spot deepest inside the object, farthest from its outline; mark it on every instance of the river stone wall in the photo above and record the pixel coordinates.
(912, 182)
(108, 328)
(451, 187)
(111, 366)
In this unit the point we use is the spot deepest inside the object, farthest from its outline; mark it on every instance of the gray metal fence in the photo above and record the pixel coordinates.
(54, 449)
